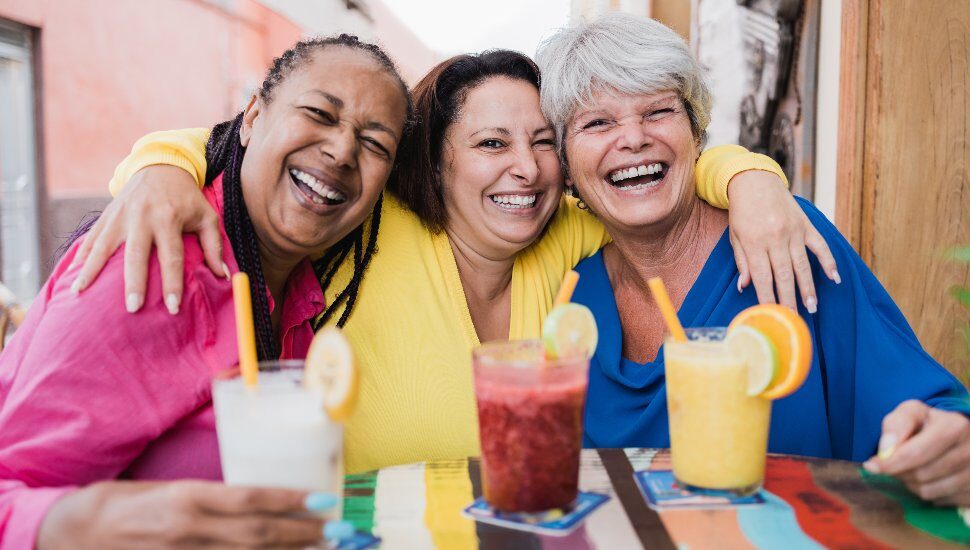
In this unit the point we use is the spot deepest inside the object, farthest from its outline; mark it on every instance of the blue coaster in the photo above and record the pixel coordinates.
(360, 541)
(556, 522)
(662, 492)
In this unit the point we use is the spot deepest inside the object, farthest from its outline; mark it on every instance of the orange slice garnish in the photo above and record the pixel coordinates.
(792, 340)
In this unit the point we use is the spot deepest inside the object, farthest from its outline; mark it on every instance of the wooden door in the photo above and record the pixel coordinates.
(903, 193)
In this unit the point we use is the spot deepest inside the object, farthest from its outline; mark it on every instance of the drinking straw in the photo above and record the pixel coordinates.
(667, 309)
(567, 288)
(245, 333)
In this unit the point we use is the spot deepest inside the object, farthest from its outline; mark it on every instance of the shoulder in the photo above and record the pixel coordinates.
(104, 299)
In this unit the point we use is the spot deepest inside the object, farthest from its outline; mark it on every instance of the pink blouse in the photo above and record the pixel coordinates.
(89, 392)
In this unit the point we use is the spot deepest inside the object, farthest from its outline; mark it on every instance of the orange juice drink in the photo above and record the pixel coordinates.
(718, 433)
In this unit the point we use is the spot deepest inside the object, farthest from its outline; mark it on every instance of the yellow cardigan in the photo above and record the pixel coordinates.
(412, 330)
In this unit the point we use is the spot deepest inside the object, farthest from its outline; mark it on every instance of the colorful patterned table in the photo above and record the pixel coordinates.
(811, 503)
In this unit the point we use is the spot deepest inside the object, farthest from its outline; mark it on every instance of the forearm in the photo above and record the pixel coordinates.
(182, 148)
(717, 166)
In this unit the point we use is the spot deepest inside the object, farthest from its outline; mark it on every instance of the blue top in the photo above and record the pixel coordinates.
(866, 359)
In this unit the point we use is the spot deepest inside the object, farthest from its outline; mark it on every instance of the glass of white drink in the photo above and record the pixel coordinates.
(278, 434)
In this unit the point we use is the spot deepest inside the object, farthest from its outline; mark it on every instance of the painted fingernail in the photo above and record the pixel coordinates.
(172, 303)
(740, 290)
(320, 502)
(77, 284)
(133, 302)
(338, 530)
(811, 304)
(836, 277)
(225, 269)
(887, 445)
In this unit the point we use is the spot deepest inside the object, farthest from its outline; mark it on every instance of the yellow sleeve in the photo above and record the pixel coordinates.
(182, 148)
(719, 164)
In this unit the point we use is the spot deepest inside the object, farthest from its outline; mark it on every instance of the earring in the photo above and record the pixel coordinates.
(582, 205)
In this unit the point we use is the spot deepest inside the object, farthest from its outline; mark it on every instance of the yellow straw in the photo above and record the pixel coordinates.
(567, 288)
(667, 309)
(245, 333)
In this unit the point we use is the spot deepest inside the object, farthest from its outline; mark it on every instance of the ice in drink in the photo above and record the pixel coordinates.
(718, 433)
(277, 434)
(530, 413)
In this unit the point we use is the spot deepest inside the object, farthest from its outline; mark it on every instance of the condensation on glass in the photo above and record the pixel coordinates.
(19, 236)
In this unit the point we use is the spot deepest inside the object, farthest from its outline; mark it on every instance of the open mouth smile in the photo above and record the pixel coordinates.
(317, 191)
(515, 202)
(639, 177)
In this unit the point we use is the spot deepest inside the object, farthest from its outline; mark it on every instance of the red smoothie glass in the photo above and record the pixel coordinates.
(530, 416)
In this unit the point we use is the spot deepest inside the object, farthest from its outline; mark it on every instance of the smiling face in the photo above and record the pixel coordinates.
(632, 158)
(499, 170)
(320, 151)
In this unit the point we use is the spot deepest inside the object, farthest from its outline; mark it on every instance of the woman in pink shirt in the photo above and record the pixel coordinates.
(90, 396)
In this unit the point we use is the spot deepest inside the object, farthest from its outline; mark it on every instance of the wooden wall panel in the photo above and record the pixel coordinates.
(915, 199)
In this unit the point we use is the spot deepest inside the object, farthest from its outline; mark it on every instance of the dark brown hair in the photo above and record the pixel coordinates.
(439, 98)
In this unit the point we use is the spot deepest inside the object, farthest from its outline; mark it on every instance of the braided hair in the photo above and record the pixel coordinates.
(224, 155)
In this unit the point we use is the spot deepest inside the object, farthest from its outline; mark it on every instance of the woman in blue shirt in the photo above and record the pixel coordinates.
(629, 141)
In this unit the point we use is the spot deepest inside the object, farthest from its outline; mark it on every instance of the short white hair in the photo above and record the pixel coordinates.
(622, 52)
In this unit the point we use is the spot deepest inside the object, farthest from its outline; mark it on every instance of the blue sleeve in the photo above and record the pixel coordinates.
(870, 358)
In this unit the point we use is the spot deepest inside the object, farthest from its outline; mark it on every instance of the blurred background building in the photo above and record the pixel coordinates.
(81, 80)
(865, 103)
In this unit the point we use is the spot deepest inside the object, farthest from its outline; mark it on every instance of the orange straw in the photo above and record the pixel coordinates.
(567, 288)
(667, 309)
(245, 333)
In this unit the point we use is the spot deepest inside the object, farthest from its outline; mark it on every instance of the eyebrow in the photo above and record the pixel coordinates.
(506, 132)
(503, 131)
(339, 103)
(380, 128)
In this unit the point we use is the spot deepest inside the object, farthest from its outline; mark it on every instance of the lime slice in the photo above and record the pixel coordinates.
(569, 331)
(330, 371)
(758, 352)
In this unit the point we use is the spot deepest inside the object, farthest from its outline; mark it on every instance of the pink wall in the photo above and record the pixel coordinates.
(113, 70)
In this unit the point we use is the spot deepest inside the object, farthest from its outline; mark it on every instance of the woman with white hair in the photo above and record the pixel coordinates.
(624, 91)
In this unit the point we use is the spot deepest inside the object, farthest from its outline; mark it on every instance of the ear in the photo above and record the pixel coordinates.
(249, 118)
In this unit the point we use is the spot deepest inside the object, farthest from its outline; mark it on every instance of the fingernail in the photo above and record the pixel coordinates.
(133, 302)
(871, 466)
(172, 303)
(836, 277)
(225, 269)
(76, 285)
(338, 530)
(320, 502)
(887, 445)
(811, 304)
(740, 290)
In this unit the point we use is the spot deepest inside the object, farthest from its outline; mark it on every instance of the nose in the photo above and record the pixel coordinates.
(633, 135)
(525, 169)
(341, 145)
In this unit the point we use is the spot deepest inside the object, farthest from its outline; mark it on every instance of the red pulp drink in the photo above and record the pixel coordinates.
(530, 415)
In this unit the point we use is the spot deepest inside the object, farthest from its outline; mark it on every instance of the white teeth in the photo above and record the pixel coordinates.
(318, 187)
(635, 171)
(514, 201)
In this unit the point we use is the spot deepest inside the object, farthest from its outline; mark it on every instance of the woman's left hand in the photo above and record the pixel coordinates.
(770, 235)
(928, 449)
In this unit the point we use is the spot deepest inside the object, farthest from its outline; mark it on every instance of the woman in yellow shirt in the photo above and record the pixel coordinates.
(473, 242)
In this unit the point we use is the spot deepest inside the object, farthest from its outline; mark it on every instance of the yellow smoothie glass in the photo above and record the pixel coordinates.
(718, 433)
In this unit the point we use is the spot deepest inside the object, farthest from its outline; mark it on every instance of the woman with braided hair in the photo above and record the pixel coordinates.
(90, 396)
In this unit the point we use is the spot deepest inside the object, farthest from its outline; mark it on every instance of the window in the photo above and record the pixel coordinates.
(19, 239)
